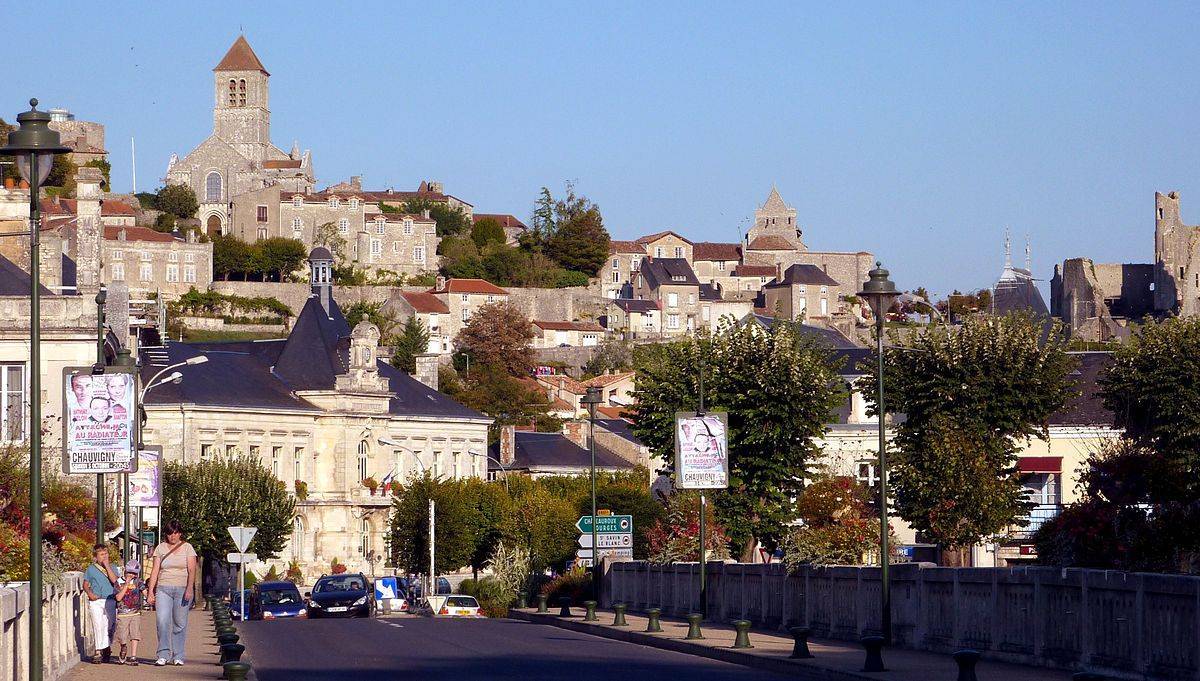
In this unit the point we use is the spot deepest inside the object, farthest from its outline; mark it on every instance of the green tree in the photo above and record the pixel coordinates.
(408, 528)
(209, 496)
(449, 221)
(543, 524)
(178, 200)
(105, 170)
(327, 235)
(839, 525)
(231, 256)
(460, 259)
(492, 510)
(613, 354)
(412, 340)
(969, 394)
(487, 231)
(8, 165)
(571, 231)
(498, 334)
(62, 173)
(280, 256)
(165, 222)
(384, 320)
(779, 390)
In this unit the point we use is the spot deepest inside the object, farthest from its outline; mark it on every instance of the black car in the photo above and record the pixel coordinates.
(275, 600)
(344, 595)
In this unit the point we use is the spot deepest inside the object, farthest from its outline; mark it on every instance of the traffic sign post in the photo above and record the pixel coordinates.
(606, 524)
(241, 539)
(612, 535)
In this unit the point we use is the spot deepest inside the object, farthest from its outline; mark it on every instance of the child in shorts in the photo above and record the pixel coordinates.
(129, 614)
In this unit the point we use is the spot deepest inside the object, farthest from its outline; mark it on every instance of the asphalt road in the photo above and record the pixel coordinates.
(460, 649)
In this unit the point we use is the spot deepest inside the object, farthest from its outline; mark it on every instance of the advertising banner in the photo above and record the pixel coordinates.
(98, 420)
(145, 483)
(701, 450)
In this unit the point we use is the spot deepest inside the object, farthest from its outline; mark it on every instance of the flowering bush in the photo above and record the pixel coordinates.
(675, 538)
(294, 574)
(336, 567)
(575, 584)
(838, 527)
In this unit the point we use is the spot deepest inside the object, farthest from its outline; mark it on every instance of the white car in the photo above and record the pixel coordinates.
(456, 606)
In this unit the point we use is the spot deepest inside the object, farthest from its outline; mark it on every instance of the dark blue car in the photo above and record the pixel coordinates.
(344, 595)
(275, 600)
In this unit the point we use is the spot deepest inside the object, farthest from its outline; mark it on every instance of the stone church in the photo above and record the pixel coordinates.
(238, 156)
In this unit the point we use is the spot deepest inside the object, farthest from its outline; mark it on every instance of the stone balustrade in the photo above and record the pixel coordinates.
(66, 635)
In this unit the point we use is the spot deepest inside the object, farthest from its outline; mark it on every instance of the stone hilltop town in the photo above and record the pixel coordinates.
(294, 384)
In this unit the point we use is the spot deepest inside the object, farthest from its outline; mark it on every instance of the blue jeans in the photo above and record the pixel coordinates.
(171, 615)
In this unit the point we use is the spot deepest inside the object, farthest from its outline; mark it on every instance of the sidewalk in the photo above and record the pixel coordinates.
(832, 661)
(200, 654)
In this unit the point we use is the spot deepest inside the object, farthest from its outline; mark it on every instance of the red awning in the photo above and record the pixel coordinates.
(1039, 464)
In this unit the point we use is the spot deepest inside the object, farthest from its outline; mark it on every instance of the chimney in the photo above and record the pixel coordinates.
(427, 369)
(440, 283)
(426, 213)
(508, 445)
(576, 431)
(356, 182)
(779, 271)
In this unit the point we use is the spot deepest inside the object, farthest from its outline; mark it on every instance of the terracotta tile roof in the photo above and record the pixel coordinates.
(506, 221)
(770, 242)
(425, 302)
(710, 250)
(398, 217)
(563, 382)
(241, 57)
(470, 286)
(608, 379)
(754, 271)
(59, 206)
(113, 233)
(117, 208)
(286, 163)
(567, 326)
(615, 247)
(658, 235)
(612, 412)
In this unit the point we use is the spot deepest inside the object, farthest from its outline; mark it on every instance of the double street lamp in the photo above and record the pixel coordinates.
(880, 293)
(34, 146)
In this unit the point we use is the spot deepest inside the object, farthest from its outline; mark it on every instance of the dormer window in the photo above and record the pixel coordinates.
(408, 226)
(297, 200)
(334, 202)
(354, 204)
(677, 277)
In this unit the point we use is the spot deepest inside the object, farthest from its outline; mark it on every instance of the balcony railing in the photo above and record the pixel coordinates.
(1037, 517)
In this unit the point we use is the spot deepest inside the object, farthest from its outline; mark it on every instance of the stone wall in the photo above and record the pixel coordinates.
(1125, 625)
(294, 295)
(574, 357)
(65, 634)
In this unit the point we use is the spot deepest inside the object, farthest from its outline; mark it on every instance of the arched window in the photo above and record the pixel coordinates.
(297, 538)
(364, 537)
(242, 92)
(362, 460)
(212, 187)
(232, 92)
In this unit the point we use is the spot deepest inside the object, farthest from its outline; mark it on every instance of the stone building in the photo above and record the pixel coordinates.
(317, 407)
(801, 292)
(239, 156)
(84, 138)
(430, 311)
(673, 287)
(1099, 301)
(553, 334)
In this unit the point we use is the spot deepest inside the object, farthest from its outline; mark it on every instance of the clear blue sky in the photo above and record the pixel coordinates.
(918, 135)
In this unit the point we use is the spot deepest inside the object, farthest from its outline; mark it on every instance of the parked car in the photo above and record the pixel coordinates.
(273, 600)
(344, 595)
(458, 606)
(235, 604)
(412, 590)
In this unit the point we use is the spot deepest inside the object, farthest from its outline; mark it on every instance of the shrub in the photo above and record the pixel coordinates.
(272, 575)
(493, 601)
(575, 584)
(336, 567)
(301, 490)
(294, 574)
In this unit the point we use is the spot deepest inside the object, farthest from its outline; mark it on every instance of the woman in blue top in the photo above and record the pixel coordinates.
(99, 583)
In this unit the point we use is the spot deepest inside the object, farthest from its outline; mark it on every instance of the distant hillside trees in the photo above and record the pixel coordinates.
(266, 260)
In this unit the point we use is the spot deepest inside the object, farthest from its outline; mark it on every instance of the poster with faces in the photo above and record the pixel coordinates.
(98, 420)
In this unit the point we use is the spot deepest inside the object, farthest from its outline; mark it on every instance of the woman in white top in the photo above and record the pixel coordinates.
(171, 592)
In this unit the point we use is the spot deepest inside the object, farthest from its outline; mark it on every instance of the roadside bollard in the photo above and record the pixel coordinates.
(226, 629)
(694, 626)
(542, 600)
(224, 639)
(236, 671)
(800, 650)
(522, 601)
(653, 626)
(564, 604)
(966, 660)
(590, 615)
(874, 646)
(619, 615)
(742, 640)
(232, 652)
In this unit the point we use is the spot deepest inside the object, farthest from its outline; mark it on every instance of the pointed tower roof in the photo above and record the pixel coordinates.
(774, 200)
(241, 57)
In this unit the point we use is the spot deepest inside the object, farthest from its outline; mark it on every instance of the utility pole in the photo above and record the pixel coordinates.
(100, 298)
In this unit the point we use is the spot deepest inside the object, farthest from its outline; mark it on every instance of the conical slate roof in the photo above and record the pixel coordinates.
(241, 57)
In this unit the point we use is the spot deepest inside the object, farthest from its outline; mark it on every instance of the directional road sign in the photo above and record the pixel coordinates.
(607, 524)
(242, 536)
(607, 541)
(615, 553)
(241, 557)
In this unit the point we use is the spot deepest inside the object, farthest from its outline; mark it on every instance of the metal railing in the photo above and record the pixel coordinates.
(1037, 517)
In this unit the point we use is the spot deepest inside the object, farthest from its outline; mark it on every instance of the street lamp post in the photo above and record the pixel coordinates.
(34, 146)
(489, 457)
(432, 515)
(592, 400)
(880, 293)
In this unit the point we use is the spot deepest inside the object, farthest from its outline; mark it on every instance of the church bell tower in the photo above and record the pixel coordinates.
(241, 116)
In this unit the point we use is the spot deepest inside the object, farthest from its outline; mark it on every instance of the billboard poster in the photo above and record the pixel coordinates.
(701, 450)
(98, 420)
(145, 484)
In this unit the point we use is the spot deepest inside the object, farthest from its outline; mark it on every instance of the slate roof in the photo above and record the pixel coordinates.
(710, 250)
(240, 57)
(113, 233)
(709, 292)
(834, 338)
(619, 427)
(809, 275)
(1016, 291)
(1088, 408)
(15, 281)
(554, 450)
(668, 272)
(633, 305)
(268, 374)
